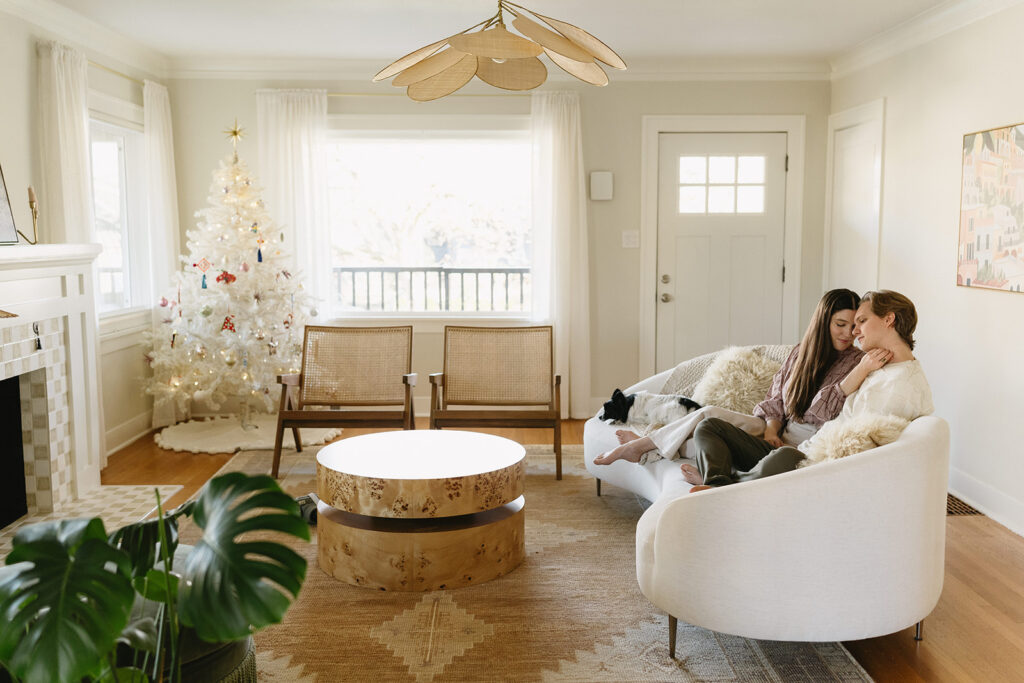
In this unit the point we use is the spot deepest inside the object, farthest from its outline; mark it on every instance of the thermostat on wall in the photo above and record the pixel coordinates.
(600, 185)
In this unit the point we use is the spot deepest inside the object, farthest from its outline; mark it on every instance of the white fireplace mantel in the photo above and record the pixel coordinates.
(49, 288)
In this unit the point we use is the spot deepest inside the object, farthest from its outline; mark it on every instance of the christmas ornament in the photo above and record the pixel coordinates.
(207, 310)
(226, 277)
(245, 267)
(164, 302)
(229, 324)
(288, 321)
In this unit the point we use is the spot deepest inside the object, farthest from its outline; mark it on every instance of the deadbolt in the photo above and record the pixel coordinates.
(666, 297)
(666, 279)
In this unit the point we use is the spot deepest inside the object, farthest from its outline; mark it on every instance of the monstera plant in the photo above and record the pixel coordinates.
(67, 595)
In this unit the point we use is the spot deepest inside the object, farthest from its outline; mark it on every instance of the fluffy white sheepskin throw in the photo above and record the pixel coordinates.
(737, 380)
(840, 438)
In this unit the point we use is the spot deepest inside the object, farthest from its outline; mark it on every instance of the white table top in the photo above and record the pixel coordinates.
(420, 454)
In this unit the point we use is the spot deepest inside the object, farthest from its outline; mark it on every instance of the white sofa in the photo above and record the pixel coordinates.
(841, 550)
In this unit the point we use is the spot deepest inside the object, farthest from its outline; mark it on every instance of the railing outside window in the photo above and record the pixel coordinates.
(432, 289)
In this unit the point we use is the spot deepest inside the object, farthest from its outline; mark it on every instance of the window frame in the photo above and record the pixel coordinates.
(114, 113)
(418, 126)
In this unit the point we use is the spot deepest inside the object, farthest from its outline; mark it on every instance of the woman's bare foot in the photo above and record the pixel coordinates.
(701, 487)
(625, 435)
(631, 451)
(691, 474)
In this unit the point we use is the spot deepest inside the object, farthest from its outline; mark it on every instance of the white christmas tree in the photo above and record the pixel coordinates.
(235, 317)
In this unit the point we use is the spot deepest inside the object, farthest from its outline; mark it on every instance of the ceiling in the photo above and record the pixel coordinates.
(382, 30)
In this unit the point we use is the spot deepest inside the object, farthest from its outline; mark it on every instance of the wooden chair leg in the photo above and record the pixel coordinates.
(917, 630)
(277, 450)
(598, 486)
(558, 450)
(672, 624)
(298, 441)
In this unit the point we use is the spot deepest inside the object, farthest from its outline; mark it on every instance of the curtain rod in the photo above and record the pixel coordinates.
(402, 94)
(116, 73)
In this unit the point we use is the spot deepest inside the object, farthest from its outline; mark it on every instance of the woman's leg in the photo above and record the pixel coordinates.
(780, 460)
(723, 448)
(629, 451)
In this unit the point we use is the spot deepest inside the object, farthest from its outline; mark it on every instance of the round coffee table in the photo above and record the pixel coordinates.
(420, 510)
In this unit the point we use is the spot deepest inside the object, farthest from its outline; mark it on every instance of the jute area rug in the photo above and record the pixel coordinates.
(571, 612)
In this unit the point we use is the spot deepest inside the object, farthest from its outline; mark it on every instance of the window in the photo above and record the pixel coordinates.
(118, 210)
(721, 184)
(433, 221)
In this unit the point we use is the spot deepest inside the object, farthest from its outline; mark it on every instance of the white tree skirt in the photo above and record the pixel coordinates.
(225, 435)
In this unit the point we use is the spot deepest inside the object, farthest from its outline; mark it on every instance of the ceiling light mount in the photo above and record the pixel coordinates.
(499, 57)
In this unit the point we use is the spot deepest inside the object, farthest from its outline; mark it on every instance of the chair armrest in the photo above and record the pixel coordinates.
(410, 379)
(289, 379)
(436, 378)
(851, 549)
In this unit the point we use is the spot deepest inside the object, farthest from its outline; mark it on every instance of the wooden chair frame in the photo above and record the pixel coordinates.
(294, 415)
(549, 416)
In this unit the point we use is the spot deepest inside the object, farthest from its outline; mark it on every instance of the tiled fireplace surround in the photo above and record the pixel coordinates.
(51, 346)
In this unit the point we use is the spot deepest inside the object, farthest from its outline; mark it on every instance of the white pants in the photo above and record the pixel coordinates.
(673, 440)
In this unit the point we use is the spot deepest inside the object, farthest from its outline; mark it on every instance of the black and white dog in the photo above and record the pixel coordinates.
(645, 407)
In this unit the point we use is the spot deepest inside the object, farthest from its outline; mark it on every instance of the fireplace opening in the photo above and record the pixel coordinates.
(13, 499)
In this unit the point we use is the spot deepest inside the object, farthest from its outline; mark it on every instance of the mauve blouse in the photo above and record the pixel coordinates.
(827, 403)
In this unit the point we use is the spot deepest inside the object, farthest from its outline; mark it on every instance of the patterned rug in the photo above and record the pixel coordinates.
(571, 612)
(115, 505)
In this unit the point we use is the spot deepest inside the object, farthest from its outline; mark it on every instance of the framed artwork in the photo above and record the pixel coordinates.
(990, 253)
(8, 232)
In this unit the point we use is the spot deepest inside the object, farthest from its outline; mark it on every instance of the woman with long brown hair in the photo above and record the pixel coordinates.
(887, 380)
(805, 392)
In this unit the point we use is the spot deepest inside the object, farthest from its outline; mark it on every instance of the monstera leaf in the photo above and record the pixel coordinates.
(232, 585)
(141, 540)
(63, 609)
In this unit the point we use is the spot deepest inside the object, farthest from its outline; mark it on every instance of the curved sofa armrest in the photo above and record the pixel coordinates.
(838, 551)
(654, 383)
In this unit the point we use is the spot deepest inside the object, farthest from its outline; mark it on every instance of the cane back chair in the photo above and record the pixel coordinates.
(507, 371)
(345, 367)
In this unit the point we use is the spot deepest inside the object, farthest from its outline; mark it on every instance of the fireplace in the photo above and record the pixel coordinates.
(13, 501)
(48, 353)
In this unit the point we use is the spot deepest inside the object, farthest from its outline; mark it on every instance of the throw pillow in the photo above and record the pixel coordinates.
(737, 380)
(840, 438)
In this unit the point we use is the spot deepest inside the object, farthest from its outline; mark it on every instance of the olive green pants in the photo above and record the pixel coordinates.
(726, 454)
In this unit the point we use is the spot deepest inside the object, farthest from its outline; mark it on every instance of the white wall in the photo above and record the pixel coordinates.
(612, 142)
(126, 411)
(968, 339)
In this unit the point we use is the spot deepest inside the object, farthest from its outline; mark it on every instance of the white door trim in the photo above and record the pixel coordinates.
(874, 113)
(794, 126)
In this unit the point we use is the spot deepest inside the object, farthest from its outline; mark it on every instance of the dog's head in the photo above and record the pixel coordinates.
(617, 409)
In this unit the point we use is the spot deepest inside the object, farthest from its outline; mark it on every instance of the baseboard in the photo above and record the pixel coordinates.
(995, 504)
(128, 432)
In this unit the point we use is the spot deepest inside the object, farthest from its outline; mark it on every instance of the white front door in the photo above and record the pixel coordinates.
(721, 220)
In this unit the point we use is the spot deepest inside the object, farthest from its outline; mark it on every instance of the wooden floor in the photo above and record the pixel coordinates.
(976, 632)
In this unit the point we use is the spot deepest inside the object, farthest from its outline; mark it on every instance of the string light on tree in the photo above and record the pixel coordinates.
(230, 334)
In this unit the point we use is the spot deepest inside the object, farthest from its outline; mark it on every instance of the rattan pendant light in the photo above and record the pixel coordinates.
(501, 58)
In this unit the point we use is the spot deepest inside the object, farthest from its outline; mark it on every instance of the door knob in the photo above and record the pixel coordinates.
(666, 297)
(666, 279)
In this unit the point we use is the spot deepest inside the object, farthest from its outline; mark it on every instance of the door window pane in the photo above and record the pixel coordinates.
(721, 199)
(691, 199)
(693, 170)
(722, 169)
(750, 199)
(751, 170)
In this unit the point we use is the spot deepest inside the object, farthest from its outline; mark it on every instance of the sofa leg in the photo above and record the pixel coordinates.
(672, 623)
(917, 630)
(598, 486)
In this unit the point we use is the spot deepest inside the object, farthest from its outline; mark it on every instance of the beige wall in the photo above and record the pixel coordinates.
(126, 411)
(969, 340)
(612, 142)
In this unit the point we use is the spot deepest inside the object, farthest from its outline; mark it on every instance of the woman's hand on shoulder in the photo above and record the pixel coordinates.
(875, 359)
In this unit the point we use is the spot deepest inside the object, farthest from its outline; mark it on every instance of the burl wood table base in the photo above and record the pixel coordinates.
(420, 510)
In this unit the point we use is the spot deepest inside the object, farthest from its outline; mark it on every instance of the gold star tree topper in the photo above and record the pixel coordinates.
(235, 134)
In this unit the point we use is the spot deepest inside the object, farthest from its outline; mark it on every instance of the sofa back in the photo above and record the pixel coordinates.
(687, 374)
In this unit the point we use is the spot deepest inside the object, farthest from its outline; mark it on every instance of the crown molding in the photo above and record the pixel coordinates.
(918, 30)
(333, 70)
(59, 22)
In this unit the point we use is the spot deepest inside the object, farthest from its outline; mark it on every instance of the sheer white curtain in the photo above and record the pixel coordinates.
(291, 137)
(162, 194)
(561, 270)
(66, 211)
